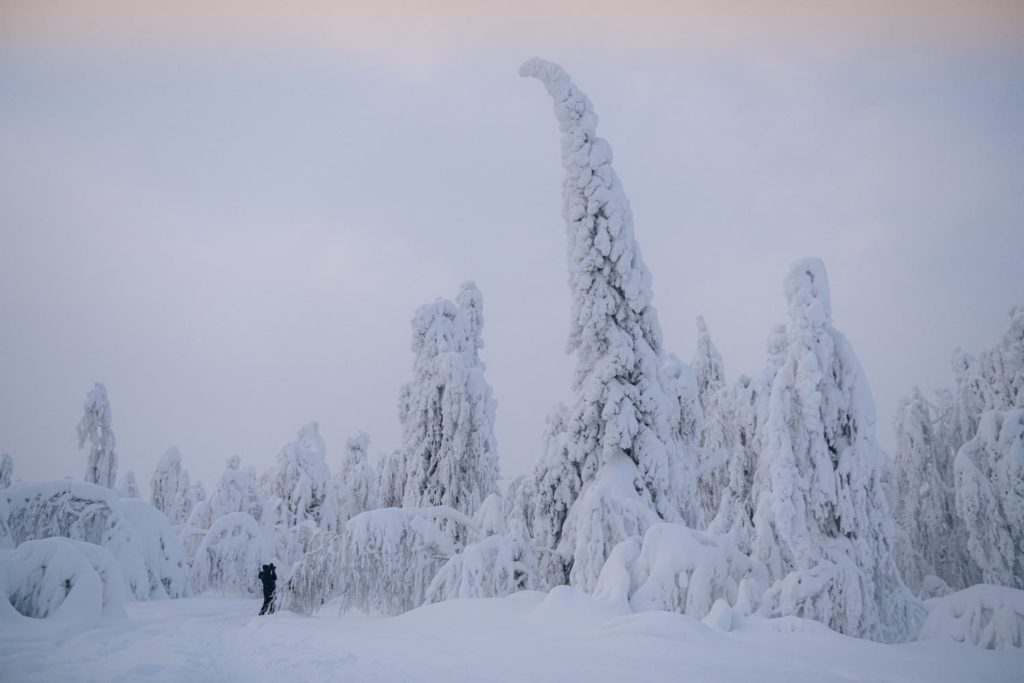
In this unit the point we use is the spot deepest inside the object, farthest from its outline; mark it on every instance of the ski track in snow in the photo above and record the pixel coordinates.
(564, 636)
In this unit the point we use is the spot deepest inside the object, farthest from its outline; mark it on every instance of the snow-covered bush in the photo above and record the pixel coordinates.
(678, 569)
(391, 480)
(229, 557)
(621, 409)
(315, 578)
(447, 410)
(986, 616)
(989, 476)
(94, 429)
(822, 522)
(62, 579)
(151, 554)
(170, 488)
(138, 535)
(389, 556)
(6, 470)
(490, 568)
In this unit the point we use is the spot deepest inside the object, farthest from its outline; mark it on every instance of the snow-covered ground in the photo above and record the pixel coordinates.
(534, 637)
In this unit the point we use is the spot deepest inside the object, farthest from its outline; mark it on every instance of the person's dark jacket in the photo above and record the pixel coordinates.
(268, 576)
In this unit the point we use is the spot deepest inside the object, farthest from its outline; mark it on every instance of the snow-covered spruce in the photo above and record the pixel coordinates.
(717, 432)
(391, 478)
(822, 523)
(62, 579)
(619, 419)
(139, 536)
(94, 430)
(447, 411)
(983, 615)
(6, 470)
(989, 479)
(170, 488)
(677, 569)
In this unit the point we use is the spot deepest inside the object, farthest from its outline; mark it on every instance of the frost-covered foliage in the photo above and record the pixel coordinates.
(63, 579)
(716, 431)
(686, 423)
(678, 569)
(315, 578)
(621, 407)
(357, 485)
(6, 470)
(822, 523)
(989, 477)
(389, 556)
(129, 487)
(991, 617)
(94, 430)
(923, 502)
(297, 485)
(170, 488)
(447, 411)
(229, 557)
(138, 535)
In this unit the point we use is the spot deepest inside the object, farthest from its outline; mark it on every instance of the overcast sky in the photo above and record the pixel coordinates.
(227, 212)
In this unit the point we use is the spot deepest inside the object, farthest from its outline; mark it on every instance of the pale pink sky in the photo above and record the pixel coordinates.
(227, 212)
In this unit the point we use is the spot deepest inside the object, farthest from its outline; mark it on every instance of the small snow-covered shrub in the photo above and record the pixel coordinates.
(389, 556)
(678, 569)
(229, 557)
(986, 616)
(62, 578)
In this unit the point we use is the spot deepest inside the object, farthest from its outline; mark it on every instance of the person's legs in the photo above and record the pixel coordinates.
(266, 605)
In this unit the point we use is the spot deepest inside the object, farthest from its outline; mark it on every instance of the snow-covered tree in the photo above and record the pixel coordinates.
(923, 503)
(748, 401)
(299, 482)
(715, 443)
(391, 480)
(822, 523)
(619, 421)
(686, 423)
(229, 557)
(128, 488)
(6, 470)
(139, 536)
(994, 380)
(356, 478)
(94, 430)
(170, 489)
(989, 479)
(707, 366)
(447, 410)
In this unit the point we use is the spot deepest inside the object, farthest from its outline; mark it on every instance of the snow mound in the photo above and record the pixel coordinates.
(990, 617)
(680, 570)
(63, 579)
(491, 568)
(139, 536)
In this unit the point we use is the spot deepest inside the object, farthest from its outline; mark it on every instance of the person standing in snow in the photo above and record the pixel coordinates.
(268, 575)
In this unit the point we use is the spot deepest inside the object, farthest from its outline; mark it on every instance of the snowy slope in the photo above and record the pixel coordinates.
(564, 636)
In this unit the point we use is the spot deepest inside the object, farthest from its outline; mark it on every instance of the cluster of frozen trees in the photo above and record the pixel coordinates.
(958, 471)
(662, 485)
